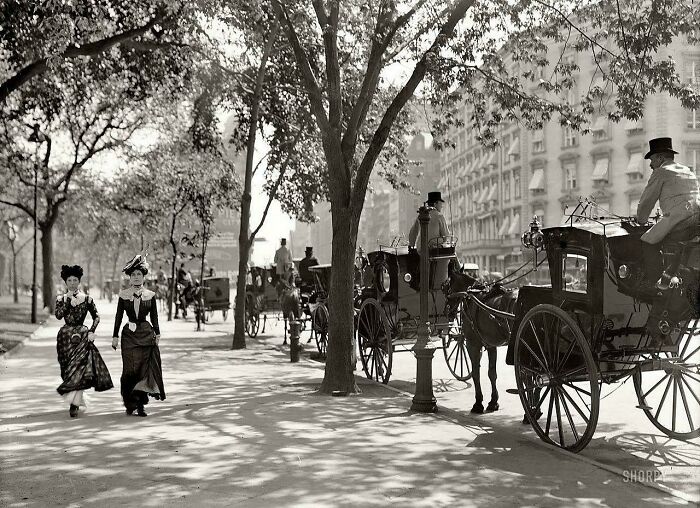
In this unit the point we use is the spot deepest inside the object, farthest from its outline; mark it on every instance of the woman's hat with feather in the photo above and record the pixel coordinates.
(138, 262)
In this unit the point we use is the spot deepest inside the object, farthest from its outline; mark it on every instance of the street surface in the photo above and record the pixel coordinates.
(244, 428)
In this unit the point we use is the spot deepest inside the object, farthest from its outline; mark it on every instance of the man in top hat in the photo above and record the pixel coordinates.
(283, 259)
(307, 278)
(676, 189)
(437, 225)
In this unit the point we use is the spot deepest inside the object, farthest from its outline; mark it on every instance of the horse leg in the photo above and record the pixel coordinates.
(474, 351)
(493, 403)
(285, 331)
(535, 399)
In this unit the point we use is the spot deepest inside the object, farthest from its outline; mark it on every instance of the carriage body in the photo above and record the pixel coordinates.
(588, 327)
(388, 317)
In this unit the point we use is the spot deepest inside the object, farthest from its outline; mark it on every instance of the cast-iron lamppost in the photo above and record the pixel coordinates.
(35, 137)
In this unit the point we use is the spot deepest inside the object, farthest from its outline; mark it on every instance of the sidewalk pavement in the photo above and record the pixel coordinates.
(15, 326)
(246, 428)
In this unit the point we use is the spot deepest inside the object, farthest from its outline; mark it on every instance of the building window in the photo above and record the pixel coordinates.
(634, 203)
(538, 141)
(569, 168)
(692, 159)
(516, 184)
(634, 127)
(569, 136)
(514, 149)
(691, 71)
(601, 169)
(536, 184)
(600, 128)
(635, 166)
(693, 119)
(506, 187)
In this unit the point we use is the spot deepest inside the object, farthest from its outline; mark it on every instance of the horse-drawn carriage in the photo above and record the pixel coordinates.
(316, 306)
(592, 326)
(389, 308)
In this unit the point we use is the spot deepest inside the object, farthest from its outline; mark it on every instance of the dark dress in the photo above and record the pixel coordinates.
(142, 374)
(82, 366)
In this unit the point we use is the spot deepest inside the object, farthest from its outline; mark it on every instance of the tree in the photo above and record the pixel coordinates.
(452, 44)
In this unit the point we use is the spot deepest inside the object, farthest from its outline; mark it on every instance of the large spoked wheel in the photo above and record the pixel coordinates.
(374, 341)
(252, 317)
(670, 397)
(319, 327)
(454, 347)
(557, 378)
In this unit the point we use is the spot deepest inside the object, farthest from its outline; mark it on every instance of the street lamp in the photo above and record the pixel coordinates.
(12, 236)
(35, 137)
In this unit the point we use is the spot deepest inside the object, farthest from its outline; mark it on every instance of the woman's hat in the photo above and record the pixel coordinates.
(434, 197)
(138, 262)
(659, 145)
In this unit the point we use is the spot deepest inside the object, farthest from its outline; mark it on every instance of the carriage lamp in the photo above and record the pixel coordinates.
(623, 272)
(269, 279)
(384, 280)
(407, 277)
(533, 238)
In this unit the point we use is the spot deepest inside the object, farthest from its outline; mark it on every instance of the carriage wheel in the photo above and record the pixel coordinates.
(319, 328)
(670, 397)
(374, 341)
(454, 347)
(557, 378)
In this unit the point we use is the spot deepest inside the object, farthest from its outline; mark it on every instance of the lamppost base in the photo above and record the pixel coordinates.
(423, 400)
(424, 406)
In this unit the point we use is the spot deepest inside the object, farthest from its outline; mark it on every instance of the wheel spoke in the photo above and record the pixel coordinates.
(544, 357)
(675, 398)
(560, 428)
(685, 404)
(644, 396)
(549, 412)
(572, 371)
(682, 355)
(578, 409)
(663, 398)
(568, 417)
(566, 356)
(541, 400)
(534, 355)
(577, 388)
(692, 392)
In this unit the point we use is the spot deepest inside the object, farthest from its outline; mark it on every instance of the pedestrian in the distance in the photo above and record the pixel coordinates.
(142, 375)
(82, 366)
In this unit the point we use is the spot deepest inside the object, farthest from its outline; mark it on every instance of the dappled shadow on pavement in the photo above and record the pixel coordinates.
(248, 428)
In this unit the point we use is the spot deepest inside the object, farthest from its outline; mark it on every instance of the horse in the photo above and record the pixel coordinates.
(481, 329)
(290, 301)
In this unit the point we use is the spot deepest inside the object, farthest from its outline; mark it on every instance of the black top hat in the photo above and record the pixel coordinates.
(434, 197)
(659, 145)
(309, 249)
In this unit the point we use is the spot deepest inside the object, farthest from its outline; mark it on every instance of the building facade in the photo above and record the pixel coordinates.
(495, 193)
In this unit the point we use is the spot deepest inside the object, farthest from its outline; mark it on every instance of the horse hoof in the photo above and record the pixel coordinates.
(493, 406)
(526, 421)
(478, 408)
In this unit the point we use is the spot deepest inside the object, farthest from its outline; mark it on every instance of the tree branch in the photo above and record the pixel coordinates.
(329, 29)
(90, 49)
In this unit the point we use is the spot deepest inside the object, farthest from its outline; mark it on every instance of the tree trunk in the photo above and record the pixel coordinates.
(239, 306)
(173, 283)
(87, 273)
(101, 275)
(47, 265)
(339, 360)
(15, 292)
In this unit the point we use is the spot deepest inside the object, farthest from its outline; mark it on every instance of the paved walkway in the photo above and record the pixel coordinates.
(15, 326)
(245, 428)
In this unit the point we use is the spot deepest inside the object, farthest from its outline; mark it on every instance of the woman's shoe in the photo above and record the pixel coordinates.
(129, 411)
(73, 411)
(141, 412)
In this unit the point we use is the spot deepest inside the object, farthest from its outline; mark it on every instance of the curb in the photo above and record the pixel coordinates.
(15, 350)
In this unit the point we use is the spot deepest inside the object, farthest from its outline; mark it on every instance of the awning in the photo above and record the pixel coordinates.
(635, 164)
(483, 194)
(493, 193)
(501, 257)
(504, 226)
(538, 135)
(514, 148)
(443, 182)
(491, 160)
(537, 180)
(600, 171)
(633, 125)
(514, 228)
(600, 124)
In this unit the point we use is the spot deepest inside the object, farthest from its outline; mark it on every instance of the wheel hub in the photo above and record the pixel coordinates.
(542, 380)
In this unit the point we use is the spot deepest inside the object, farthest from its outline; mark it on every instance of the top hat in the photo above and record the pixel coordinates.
(659, 145)
(434, 197)
(309, 249)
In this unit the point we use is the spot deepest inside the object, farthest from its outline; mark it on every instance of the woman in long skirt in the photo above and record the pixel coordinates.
(82, 366)
(142, 375)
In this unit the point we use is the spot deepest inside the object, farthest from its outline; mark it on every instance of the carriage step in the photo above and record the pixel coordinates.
(512, 391)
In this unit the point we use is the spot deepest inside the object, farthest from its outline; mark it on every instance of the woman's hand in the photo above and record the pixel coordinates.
(91, 336)
(115, 343)
(157, 339)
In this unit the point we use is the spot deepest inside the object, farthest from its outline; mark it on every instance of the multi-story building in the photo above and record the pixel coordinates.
(495, 193)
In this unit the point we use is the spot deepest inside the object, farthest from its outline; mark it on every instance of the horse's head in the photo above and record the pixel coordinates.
(458, 280)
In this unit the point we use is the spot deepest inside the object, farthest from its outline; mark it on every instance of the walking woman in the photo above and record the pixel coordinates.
(142, 375)
(82, 366)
